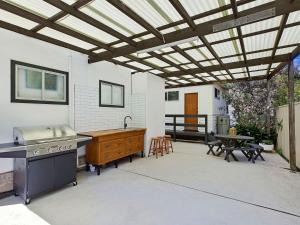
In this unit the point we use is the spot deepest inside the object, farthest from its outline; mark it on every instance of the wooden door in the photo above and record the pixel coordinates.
(191, 108)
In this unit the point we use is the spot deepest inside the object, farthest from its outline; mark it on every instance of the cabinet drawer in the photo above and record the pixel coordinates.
(114, 145)
(112, 150)
(135, 144)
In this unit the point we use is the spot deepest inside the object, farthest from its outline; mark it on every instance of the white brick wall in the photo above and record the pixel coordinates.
(89, 116)
(138, 110)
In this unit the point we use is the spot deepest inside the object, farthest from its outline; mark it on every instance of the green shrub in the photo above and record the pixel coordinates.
(267, 142)
(258, 134)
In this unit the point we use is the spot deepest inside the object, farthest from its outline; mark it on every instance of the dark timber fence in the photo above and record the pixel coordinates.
(176, 124)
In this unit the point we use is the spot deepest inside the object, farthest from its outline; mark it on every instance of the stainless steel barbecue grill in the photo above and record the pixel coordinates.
(45, 158)
(43, 140)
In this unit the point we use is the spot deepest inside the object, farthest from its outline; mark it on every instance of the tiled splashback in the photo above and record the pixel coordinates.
(89, 116)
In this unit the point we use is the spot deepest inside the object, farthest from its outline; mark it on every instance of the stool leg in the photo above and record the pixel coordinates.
(150, 148)
(156, 148)
(171, 145)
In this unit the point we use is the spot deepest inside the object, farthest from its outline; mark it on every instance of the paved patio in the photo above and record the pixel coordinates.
(185, 187)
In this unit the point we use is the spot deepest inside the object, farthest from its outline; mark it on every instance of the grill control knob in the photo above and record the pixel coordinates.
(60, 148)
(36, 152)
(70, 146)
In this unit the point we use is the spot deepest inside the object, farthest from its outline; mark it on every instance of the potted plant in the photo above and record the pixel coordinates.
(268, 145)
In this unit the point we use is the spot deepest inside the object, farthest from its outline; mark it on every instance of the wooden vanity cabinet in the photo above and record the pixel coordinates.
(111, 145)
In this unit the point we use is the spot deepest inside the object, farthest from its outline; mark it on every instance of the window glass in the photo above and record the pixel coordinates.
(106, 94)
(117, 98)
(173, 95)
(35, 84)
(111, 95)
(54, 87)
(28, 84)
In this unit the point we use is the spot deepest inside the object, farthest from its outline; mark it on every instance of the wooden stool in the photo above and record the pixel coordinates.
(156, 146)
(167, 143)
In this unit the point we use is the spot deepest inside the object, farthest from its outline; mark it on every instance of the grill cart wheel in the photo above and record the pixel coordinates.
(27, 201)
(75, 183)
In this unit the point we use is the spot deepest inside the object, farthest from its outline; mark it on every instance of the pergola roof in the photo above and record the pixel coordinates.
(143, 35)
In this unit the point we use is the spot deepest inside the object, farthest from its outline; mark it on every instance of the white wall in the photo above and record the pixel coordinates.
(152, 89)
(82, 75)
(18, 47)
(207, 103)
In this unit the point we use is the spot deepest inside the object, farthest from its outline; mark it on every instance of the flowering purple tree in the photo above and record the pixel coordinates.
(250, 102)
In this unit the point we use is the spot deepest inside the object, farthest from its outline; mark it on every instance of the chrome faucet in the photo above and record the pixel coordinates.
(125, 124)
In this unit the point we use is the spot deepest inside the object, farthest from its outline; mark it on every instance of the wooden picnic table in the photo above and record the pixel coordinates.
(232, 141)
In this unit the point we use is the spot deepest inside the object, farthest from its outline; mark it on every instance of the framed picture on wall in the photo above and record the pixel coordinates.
(36, 84)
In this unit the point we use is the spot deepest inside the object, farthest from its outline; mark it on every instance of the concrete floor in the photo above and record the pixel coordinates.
(185, 187)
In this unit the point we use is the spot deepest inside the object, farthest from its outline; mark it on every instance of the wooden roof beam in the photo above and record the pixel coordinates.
(234, 65)
(90, 20)
(41, 37)
(283, 64)
(278, 37)
(201, 29)
(195, 17)
(181, 10)
(239, 30)
(76, 5)
(33, 17)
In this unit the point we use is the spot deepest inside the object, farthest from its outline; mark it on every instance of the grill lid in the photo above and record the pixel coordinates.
(42, 134)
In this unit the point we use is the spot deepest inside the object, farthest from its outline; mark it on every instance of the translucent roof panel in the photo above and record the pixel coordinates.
(99, 50)
(259, 55)
(274, 65)
(172, 82)
(196, 80)
(38, 7)
(261, 25)
(147, 36)
(139, 65)
(209, 78)
(141, 55)
(87, 29)
(183, 81)
(209, 63)
(190, 44)
(16, 20)
(195, 54)
(173, 78)
(149, 10)
(282, 51)
(257, 73)
(192, 66)
(237, 70)
(119, 45)
(199, 6)
(172, 69)
(227, 48)
(157, 62)
(259, 42)
(167, 49)
(253, 4)
(208, 18)
(240, 75)
(121, 59)
(65, 38)
(294, 17)
(187, 76)
(259, 67)
(290, 35)
(230, 59)
(221, 35)
(111, 16)
(178, 57)
(155, 71)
